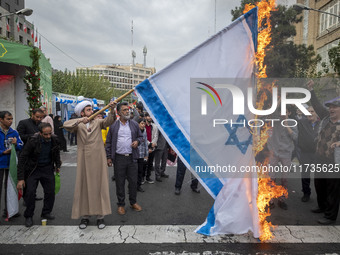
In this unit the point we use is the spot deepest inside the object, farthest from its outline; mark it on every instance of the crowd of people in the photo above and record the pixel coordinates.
(128, 140)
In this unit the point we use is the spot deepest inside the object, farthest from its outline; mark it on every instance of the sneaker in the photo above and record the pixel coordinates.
(282, 205)
(83, 223)
(177, 191)
(158, 179)
(305, 198)
(165, 175)
(149, 180)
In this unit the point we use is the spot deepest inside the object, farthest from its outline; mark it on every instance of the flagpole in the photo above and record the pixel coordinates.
(108, 106)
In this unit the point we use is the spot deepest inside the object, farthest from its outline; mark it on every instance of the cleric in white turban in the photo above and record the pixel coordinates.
(80, 107)
(91, 193)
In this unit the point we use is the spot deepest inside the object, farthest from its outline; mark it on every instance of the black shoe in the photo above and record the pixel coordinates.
(48, 216)
(158, 179)
(165, 175)
(317, 210)
(16, 215)
(177, 191)
(305, 198)
(38, 198)
(83, 223)
(29, 222)
(196, 190)
(101, 223)
(149, 180)
(140, 189)
(325, 221)
(282, 205)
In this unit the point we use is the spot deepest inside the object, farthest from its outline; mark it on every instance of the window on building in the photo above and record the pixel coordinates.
(8, 34)
(329, 21)
(28, 42)
(28, 31)
(21, 39)
(20, 26)
(7, 7)
(0, 30)
(323, 52)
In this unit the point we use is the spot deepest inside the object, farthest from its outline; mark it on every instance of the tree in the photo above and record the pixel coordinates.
(84, 83)
(284, 59)
(334, 58)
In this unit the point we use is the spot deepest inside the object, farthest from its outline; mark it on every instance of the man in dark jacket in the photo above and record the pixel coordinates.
(37, 163)
(122, 143)
(308, 132)
(28, 127)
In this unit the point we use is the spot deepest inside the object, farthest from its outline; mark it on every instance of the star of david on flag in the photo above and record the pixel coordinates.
(233, 139)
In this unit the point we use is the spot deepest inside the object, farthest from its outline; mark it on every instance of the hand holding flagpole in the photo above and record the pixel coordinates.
(109, 105)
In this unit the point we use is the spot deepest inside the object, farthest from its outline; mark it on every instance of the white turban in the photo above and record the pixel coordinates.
(79, 107)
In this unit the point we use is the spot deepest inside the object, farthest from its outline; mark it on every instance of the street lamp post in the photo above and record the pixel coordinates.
(303, 7)
(26, 12)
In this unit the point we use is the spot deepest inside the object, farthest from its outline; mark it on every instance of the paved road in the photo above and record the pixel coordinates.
(165, 226)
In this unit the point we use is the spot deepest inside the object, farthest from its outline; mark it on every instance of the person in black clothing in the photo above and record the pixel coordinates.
(28, 127)
(327, 186)
(58, 131)
(37, 163)
(181, 169)
(308, 131)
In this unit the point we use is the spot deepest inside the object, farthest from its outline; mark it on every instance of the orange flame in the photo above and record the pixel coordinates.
(267, 189)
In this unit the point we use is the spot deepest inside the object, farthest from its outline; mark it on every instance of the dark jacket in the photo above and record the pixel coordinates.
(307, 135)
(28, 159)
(5, 158)
(112, 138)
(26, 128)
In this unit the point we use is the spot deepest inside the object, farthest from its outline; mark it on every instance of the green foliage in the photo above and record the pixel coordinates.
(32, 80)
(83, 83)
(284, 58)
(334, 58)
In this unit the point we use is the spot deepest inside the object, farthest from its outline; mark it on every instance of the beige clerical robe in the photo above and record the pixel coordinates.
(91, 193)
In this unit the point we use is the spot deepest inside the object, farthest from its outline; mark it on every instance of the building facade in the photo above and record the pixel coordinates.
(122, 77)
(319, 29)
(15, 27)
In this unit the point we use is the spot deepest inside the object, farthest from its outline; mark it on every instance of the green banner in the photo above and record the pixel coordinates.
(18, 54)
(15, 53)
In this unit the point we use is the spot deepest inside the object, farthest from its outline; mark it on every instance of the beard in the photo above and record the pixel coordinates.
(126, 117)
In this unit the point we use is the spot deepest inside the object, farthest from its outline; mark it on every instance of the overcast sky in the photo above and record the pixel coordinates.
(99, 32)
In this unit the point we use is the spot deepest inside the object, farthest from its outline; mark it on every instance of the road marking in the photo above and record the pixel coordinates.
(156, 234)
(69, 165)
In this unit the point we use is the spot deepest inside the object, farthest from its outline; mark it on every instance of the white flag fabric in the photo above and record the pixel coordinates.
(166, 96)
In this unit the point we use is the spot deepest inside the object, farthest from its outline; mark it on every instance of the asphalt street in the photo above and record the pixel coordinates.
(161, 207)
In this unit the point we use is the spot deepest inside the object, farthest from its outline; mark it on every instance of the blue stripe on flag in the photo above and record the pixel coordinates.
(176, 136)
(210, 222)
(251, 19)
